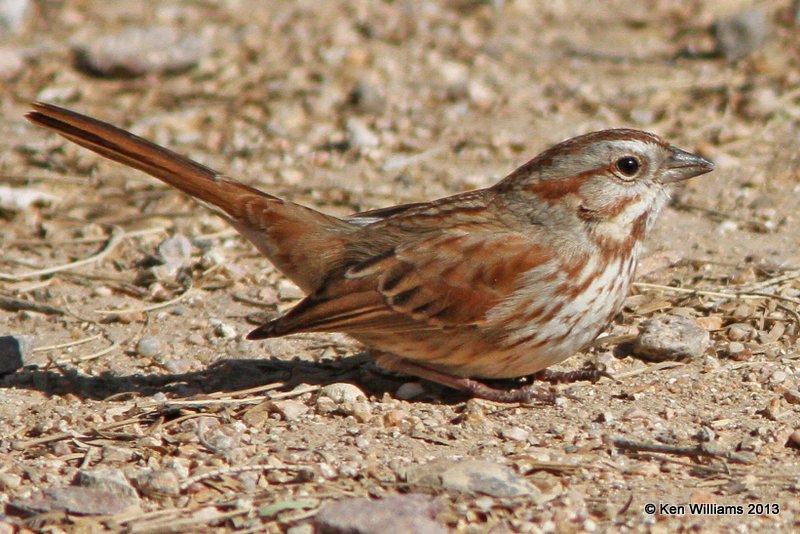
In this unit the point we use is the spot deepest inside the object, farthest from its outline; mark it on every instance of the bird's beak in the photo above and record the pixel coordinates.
(682, 165)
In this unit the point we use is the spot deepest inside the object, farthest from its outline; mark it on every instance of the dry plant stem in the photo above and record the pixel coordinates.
(116, 237)
(14, 305)
(648, 369)
(702, 449)
(69, 344)
(152, 307)
(741, 295)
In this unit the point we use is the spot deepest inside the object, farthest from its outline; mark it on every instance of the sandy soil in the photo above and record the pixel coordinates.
(348, 105)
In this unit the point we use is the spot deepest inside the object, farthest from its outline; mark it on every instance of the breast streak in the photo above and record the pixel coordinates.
(543, 324)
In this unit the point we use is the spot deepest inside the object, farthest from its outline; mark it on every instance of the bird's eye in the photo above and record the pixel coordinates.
(628, 166)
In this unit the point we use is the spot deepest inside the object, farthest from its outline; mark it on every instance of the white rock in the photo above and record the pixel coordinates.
(343, 392)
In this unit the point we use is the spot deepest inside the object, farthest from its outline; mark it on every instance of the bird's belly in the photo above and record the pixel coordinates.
(539, 327)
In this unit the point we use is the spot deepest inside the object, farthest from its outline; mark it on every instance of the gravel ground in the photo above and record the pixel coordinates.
(141, 408)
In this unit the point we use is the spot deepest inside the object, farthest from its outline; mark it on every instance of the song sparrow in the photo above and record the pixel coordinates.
(499, 282)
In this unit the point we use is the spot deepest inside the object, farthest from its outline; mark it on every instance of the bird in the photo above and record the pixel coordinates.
(494, 283)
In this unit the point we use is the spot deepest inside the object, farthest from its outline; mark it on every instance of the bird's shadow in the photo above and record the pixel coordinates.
(223, 376)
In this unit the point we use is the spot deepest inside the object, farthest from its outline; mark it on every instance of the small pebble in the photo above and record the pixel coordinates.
(79, 501)
(290, 410)
(14, 15)
(409, 390)
(138, 51)
(515, 433)
(794, 440)
(11, 64)
(130, 317)
(175, 250)
(326, 405)
(102, 291)
(14, 351)
(395, 417)
(21, 198)
(9, 481)
(742, 33)
(477, 477)
(112, 481)
(670, 337)
(196, 338)
(359, 410)
(734, 347)
(396, 513)
(367, 98)
(343, 392)
(148, 346)
(360, 135)
(222, 330)
(158, 483)
(792, 396)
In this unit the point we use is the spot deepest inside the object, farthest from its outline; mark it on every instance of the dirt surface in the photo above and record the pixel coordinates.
(140, 365)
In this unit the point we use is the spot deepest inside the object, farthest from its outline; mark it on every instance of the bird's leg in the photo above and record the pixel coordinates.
(591, 372)
(474, 388)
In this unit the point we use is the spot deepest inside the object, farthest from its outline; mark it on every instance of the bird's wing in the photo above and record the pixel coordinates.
(434, 282)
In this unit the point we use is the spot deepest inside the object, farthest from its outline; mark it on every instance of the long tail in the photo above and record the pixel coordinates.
(303, 243)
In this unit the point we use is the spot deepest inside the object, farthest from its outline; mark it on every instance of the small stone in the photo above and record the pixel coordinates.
(159, 483)
(480, 95)
(794, 440)
(712, 322)
(471, 477)
(360, 135)
(327, 471)
(670, 337)
(326, 405)
(148, 346)
(742, 33)
(129, 317)
(367, 98)
(792, 396)
(482, 477)
(395, 417)
(777, 378)
(21, 198)
(409, 390)
(9, 481)
(14, 15)
(102, 291)
(14, 350)
(734, 348)
(343, 392)
(138, 51)
(515, 433)
(175, 250)
(222, 330)
(359, 410)
(197, 339)
(111, 481)
(635, 413)
(11, 64)
(78, 500)
(396, 513)
(289, 410)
